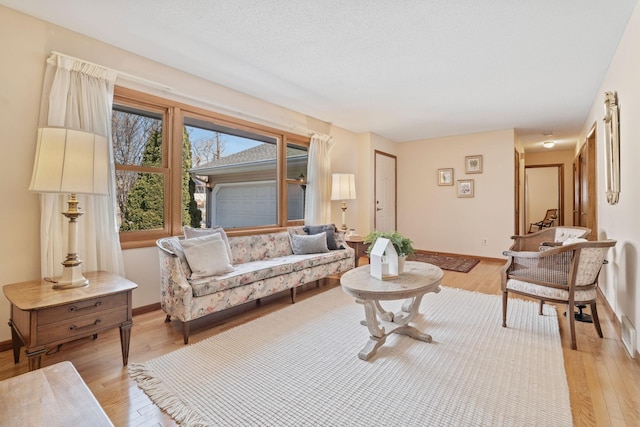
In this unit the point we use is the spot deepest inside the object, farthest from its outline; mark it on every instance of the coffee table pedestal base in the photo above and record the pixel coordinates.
(382, 323)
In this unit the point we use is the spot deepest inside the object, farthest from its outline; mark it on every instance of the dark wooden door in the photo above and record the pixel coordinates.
(585, 187)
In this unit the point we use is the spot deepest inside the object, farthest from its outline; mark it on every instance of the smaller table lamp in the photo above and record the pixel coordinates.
(74, 162)
(343, 187)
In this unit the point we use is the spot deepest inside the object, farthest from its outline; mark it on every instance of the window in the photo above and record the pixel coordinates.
(178, 165)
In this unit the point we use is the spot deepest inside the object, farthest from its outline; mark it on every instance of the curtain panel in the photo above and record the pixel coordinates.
(318, 203)
(79, 95)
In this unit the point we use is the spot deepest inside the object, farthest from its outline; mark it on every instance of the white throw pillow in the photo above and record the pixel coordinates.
(190, 233)
(207, 256)
(302, 244)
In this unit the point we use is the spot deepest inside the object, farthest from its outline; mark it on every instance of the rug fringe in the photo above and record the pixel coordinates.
(164, 398)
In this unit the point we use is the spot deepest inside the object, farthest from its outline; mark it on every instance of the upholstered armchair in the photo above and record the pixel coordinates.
(552, 236)
(566, 274)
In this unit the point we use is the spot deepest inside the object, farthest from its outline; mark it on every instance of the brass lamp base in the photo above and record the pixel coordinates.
(344, 216)
(72, 271)
(71, 278)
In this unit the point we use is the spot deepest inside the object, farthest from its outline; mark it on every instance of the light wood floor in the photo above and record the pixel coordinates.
(604, 382)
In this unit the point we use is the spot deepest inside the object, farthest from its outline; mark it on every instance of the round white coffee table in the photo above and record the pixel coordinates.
(417, 279)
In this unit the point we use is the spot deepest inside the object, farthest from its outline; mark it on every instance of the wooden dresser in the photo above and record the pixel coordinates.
(43, 317)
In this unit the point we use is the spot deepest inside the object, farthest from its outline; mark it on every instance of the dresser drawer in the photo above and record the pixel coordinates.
(81, 326)
(81, 308)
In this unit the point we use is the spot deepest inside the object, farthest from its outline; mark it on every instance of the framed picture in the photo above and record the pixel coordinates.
(465, 188)
(473, 164)
(445, 176)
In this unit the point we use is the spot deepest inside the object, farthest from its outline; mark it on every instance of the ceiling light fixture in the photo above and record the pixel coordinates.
(548, 144)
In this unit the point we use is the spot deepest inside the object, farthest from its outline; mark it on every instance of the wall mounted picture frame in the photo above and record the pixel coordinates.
(465, 188)
(445, 176)
(473, 164)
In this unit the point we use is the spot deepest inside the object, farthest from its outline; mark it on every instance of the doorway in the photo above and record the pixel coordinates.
(543, 190)
(385, 179)
(584, 182)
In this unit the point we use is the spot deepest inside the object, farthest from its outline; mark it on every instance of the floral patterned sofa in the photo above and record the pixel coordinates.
(263, 264)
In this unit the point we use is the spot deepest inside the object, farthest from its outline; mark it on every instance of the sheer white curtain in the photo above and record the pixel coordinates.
(80, 96)
(318, 203)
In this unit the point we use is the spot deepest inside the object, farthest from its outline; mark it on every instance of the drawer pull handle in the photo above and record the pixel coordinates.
(74, 328)
(73, 308)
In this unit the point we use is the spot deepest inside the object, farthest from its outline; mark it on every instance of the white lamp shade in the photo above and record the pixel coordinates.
(343, 186)
(70, 161)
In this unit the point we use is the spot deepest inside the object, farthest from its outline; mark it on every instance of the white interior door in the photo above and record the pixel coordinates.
(385, 192)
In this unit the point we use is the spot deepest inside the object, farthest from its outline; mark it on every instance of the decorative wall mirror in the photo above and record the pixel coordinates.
(612, 147)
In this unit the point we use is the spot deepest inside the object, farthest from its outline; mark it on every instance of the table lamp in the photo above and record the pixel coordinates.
(74, 162)
(343, 187)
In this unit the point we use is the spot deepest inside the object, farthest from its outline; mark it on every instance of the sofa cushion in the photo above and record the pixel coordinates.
(207, 256)
(242, 274)
(313, 244)
(190, 233)
(330, 229)
(300, 262)
(259, 247)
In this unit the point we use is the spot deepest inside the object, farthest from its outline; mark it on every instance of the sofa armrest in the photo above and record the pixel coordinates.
(341, 240)
(176, 293)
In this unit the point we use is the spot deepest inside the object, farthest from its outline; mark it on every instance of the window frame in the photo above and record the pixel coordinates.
(174, 113)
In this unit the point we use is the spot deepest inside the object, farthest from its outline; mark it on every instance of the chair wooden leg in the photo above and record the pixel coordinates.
(572, 326)
(541, 305)
(596, 321)
(505, 298)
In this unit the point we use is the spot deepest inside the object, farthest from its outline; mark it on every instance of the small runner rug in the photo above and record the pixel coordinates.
(460, 264)
(299, 367)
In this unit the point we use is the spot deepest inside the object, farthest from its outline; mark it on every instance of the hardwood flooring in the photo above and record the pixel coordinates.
(604, 381)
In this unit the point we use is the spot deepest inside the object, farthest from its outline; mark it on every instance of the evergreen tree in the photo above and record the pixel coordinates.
(191, 215)
(145, 202)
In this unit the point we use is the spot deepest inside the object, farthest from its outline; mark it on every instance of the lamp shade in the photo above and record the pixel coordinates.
(70, 161)
(343, 186)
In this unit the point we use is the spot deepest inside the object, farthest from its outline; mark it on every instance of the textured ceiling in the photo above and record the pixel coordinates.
(403, 69)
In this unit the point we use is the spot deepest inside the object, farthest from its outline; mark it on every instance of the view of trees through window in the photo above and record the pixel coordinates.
(141, 171)
(175, 166)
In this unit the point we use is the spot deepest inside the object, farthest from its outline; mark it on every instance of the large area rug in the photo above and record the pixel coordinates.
(299, 366)
(457, 263)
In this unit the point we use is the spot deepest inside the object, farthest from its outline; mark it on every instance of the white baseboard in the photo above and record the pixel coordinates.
(629, 336)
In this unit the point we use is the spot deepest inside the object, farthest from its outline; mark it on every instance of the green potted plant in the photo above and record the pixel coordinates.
(401, 244)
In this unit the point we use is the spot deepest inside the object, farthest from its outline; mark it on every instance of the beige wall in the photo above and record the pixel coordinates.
(434, 217)
(25, 43)
(619, 280)
(558, 157)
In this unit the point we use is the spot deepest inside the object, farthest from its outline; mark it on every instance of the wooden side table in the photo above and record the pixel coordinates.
(52, 396)
(358, 245)
(42, 317)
